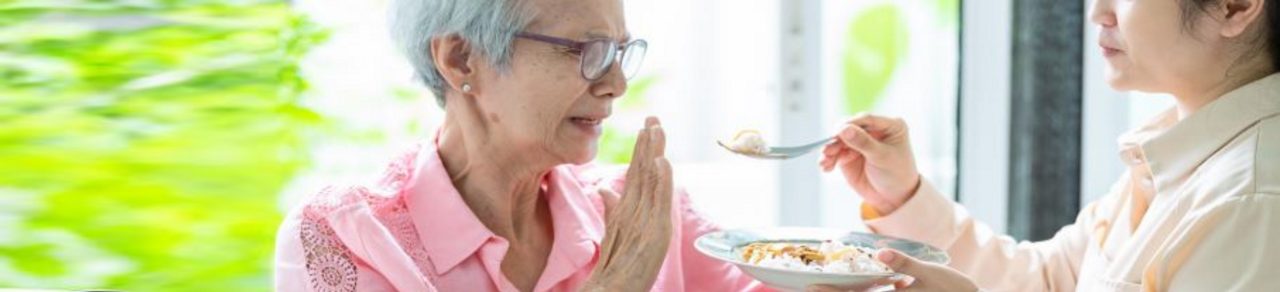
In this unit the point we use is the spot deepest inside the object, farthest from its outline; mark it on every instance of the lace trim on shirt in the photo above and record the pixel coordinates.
(330, 265)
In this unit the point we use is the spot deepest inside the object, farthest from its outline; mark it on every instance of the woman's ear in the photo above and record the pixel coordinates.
(452, 57)
(1239, 15)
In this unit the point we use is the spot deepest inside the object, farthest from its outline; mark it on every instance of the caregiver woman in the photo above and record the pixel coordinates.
(1198, 208)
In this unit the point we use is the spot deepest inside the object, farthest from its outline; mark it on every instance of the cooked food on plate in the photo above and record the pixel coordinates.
(828, 257)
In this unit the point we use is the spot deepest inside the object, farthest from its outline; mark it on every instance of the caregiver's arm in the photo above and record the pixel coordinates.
(995, 261)
(874, 155)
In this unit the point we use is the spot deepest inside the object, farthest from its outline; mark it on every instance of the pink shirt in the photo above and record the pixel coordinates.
(413, 232)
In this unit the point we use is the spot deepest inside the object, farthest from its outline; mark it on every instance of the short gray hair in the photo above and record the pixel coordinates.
(488, 25)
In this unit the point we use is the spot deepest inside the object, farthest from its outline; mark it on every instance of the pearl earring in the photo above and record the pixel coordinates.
(466, 87)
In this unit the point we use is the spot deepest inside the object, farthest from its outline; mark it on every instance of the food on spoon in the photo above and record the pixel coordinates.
(830, 257)
(749, 141)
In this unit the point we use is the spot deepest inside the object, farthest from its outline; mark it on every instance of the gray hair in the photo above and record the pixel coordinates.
(488, 25)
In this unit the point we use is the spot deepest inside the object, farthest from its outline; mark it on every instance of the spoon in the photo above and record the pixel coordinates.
(780, 153)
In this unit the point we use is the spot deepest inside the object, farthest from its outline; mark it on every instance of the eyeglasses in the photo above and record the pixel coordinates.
(599, 54)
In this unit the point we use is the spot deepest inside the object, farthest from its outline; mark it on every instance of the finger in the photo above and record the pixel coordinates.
(658, 138)
(905, 283)
(654, 190)
(901, 284)
(823, 288)
(846, 158)
(844, 153)
(639, 154)
(831, 162)
(635, 172)
(872, 285)
(860, 140)
(658, 144)
(877, 123)
(610, 199)
(917, 288)
(843, 156)
(661, 221)
(650, 186)
(832, 152)
(666, 186)
(854, 157)
(825, 163)
(832, 148)
(651, 121)
(875, 285)
(903, 264)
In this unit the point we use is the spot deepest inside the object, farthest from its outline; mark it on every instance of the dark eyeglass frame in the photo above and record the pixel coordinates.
(615, 53)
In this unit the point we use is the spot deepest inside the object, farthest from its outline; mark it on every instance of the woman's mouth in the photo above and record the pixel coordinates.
(1110, 52)
(589, 125)
(586, 121)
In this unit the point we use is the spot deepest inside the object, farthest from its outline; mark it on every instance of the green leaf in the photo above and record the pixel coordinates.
(877, 41)
(948, 12)
(616, 146)
(636, 90)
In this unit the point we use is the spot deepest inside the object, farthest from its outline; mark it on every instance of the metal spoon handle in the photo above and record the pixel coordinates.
(802, 148)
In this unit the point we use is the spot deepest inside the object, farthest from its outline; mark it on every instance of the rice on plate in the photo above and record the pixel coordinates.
(829, 257)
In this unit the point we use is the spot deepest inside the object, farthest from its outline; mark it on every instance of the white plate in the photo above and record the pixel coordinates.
(726, 246)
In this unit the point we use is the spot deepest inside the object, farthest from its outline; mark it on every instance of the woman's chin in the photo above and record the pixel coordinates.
(1118, 81)
(583, 155)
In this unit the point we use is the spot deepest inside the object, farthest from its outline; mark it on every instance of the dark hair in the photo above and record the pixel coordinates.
(1193, 8)
(1273, 33)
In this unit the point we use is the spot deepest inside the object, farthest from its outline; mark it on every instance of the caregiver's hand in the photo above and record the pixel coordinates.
(925, 276)
(637, 223)
(874, 154)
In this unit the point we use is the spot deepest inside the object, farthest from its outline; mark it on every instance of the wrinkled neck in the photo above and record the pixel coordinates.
(502, 187)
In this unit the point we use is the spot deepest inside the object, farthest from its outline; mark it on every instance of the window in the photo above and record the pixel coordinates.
(896, 58)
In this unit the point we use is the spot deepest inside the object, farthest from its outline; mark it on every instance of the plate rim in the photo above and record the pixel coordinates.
(740, 263)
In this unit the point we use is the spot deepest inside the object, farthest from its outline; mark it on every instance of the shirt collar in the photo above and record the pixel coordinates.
(449, 231)
(437, 209)
(578, 228)
(1172, 148)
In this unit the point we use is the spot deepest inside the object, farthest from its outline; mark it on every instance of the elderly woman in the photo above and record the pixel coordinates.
(1197, 210)
(502, 199)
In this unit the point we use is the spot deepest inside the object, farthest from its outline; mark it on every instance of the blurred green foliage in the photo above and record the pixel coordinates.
(948, 12)
(143, 143)
(875, 47)
(874, 50)
(616, 144)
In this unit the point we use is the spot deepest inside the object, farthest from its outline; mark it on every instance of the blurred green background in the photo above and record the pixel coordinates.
(196, 101)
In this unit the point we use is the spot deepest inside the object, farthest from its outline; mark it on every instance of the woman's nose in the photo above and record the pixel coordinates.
(1102, 13)
(612, 84)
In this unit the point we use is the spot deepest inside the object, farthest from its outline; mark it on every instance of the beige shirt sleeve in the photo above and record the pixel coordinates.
(1233, 246)
(994, 261)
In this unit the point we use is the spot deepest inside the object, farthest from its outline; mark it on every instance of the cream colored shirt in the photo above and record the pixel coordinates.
(1197, 210)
